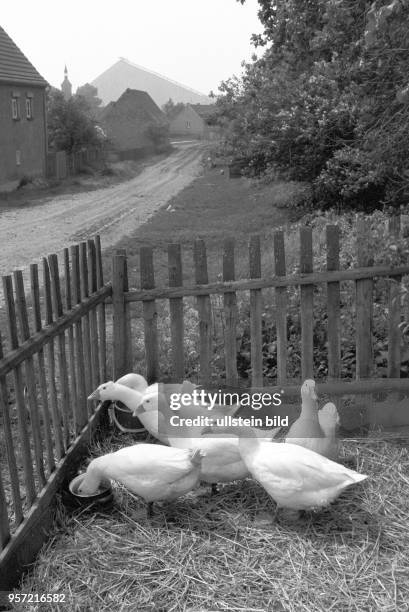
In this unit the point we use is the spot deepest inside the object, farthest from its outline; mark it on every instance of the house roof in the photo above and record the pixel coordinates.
(134, 98)
(204, 110)
(123, 74)
(14, 66)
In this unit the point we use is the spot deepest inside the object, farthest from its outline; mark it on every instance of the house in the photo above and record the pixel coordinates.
(23, 129)
(134, 125)
(124, 74)
(194, 121)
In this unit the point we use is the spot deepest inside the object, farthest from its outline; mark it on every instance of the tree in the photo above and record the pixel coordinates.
(171, 109)
(328, 101)
(70, 126)
(90, 95)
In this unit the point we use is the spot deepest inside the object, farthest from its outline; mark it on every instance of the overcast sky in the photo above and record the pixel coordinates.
(196, 42)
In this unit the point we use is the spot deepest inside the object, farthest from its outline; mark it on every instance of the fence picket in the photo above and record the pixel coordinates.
(364, 308)
(92, 265)
(394, 309)
(21, 310)
(81, 363)
(256, 306)
(306, 305)
(333, 305)
(101, 314)
(18, 390)
(120, 335)
(150, 315)
(281, 308)
(62, 355)
(71, 351)
(35, 298)
(230, 314)
(4, 519)
(205, 313)
(127, 314)
(55, 413)
(176, 311)
(90, 379)
(9, 444)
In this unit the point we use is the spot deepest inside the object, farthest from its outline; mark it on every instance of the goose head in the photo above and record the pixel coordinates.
(308, 390)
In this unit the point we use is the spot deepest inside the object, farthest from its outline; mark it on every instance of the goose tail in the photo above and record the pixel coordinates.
(196, 456)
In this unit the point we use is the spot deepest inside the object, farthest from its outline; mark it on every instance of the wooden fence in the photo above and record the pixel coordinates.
(45, 378)
(66, 356)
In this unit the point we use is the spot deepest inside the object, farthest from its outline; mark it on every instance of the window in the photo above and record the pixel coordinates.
(18, 158)
(29, 108)
(15, 108)
(188, 124)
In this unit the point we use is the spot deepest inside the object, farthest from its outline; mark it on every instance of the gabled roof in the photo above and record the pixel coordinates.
(123, 74)
(204, 110)
(14, 66)
(134, 99)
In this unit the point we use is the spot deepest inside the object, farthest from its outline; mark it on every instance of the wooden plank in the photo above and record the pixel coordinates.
(50, 331)
(4, 519)
(78, 335)
(281, 308)
(364, 305)
(394, 319)
(23, 547)
(92, 267)
(230, 315)
(61, 354)
(101, 314)
(256, 309)
(18, 389)
(345, 387)
(306, 306)
(120, 337)
(205, 313)
(35, 298)
(176, 311)
(55, 414)
(71, 347)
(150, 315)
(21, 309)
(293, 280)
(90, 380)
(128, 351)
(333, 305)
(9, 444)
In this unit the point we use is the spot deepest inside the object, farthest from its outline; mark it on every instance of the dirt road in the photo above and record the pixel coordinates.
(29, 233)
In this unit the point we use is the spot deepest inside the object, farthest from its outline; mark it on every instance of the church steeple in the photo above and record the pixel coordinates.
(66, 86)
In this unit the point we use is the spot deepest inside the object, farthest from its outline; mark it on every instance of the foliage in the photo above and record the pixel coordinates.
(159, 135)
(328, 101)
(171, 109)
(90, 95)
(69, 122)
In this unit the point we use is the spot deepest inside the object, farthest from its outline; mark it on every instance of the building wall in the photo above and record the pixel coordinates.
(23, 144)
(187, 123)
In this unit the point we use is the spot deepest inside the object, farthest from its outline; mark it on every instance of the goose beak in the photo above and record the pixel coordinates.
(139, 410)
(94, 395)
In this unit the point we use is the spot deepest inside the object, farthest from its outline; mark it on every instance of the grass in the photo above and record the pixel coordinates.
(224, 552)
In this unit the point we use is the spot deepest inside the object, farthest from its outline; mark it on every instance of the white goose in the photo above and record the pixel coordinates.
(295, 477)
(315, 430)
(151, 471)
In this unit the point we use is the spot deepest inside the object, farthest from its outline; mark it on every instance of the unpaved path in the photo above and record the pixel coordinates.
(27, 234)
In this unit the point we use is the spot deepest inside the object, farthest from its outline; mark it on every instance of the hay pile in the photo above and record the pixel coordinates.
(224, 553)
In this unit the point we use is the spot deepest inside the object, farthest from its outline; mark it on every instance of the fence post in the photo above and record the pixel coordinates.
(306, 305)
(120, 336)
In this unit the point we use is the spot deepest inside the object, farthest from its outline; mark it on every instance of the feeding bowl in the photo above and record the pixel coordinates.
(102, 497)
